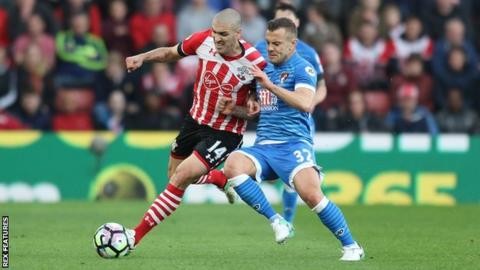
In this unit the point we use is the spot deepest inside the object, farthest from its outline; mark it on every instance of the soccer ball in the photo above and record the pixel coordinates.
(111, 241)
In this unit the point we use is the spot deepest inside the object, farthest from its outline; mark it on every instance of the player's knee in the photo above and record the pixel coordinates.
(312, 198)
(229, 169)
(232, 166)
(181, 177)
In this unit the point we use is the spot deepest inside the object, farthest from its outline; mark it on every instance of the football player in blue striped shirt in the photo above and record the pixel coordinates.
(284, 10)
(284, 144)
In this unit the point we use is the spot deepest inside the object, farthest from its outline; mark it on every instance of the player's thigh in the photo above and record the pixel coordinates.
(188, 171)
(288, 159)
(185, 142)
(253, 161)
(215, 146)
(183, 145)
(173, 164)
(238, 163)
(307, 184)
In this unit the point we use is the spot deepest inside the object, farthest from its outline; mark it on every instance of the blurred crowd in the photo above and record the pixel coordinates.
(389, 66)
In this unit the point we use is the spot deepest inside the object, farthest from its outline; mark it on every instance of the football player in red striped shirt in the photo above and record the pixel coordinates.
(207, 135)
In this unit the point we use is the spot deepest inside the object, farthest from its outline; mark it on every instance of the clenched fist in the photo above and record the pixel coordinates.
(133, 62)
(225, 105)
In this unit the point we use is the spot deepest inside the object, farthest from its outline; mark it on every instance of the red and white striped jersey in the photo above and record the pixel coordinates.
(378, 53)
(404, 48)
(219, 75)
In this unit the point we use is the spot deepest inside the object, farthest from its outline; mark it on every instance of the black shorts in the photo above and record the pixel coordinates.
(211, 146)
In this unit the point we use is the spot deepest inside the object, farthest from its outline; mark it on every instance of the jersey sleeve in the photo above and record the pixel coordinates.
(311, 55)
(190, 44)
(255, 57)
(305, 77)
(262, 64)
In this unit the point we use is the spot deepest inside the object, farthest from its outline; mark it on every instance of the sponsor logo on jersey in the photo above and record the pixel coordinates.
(268, 100)
(211, 83)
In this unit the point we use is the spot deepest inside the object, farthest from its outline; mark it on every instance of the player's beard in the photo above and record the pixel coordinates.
(226, 47)
(275, 59)
(220, 47)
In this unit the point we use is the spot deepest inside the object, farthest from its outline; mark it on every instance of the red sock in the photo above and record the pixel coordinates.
(215, 177)
(165, 204)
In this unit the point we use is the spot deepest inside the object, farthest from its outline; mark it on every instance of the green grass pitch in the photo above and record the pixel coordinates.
(59, 236)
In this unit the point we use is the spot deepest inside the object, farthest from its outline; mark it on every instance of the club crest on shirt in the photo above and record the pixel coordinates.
(242, 73)
(310, 71)
(283, 77)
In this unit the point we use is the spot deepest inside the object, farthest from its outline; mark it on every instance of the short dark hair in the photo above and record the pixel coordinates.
(254, 2)
(457, 48)
(412, 18)
(284, 23)
(415, 57)
(286, 7)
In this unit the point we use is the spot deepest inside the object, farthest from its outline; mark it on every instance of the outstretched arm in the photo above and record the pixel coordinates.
(162, 54)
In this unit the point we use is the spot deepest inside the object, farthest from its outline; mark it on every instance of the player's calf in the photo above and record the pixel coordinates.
(307, 184)
(162, 207)
(169, 200)
(289, 200)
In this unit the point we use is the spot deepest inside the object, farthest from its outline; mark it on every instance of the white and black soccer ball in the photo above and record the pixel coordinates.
(110, 241)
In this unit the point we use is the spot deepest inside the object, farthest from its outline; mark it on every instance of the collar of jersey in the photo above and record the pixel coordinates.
(236, 57)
